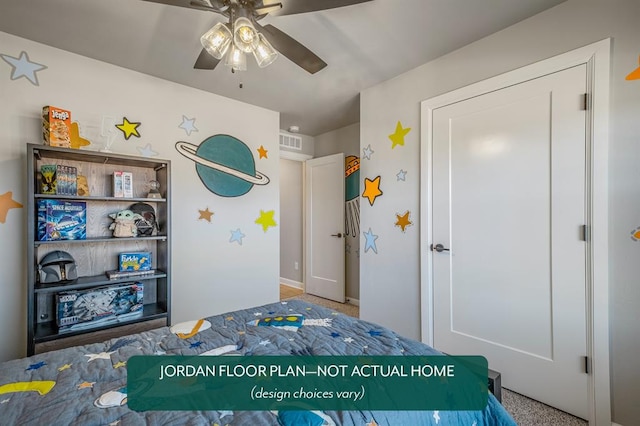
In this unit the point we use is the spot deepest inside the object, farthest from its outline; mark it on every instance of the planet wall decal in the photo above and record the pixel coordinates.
(224, 164)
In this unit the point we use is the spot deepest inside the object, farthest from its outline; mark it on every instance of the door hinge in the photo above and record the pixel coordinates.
(585, 102)
(587, 365)
(585, 234)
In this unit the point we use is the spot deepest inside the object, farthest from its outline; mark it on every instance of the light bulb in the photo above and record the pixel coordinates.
(216, 41)
(245, 36)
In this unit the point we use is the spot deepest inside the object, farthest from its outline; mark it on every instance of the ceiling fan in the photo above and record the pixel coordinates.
(242, 33)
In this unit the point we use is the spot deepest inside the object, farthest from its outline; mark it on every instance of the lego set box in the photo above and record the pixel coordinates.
(80, 309)
(62, 220)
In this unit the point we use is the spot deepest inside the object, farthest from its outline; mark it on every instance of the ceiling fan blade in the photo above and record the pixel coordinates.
(291, 7)
(208, 5)
(292, 49)
(205, 61)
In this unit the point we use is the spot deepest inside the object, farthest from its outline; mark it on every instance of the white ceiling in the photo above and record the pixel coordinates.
(362, 44)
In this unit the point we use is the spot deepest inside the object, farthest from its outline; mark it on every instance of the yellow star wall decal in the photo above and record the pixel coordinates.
(262, 152)
(635, 74)
(206, 214)
(371, 189)
(129, 128)
(266, 219)
(403, 220)
(6, 203)
(397, 138)
(76, 140)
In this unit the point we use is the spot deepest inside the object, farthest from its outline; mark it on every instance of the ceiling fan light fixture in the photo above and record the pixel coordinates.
(264, 52)
(236, 59)
(217, 40)
(245, 36)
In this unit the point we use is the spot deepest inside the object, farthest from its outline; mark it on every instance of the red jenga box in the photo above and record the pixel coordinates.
(56, 126)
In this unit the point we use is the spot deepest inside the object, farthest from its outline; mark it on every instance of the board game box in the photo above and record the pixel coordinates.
(56, 126)
(138, 261)
(94, 307)
(62, 220)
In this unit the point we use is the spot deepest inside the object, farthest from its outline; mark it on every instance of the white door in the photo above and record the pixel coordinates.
(324, 227)
(509, 200)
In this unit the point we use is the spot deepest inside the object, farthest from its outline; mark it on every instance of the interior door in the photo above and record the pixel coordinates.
(324, 227)
(509, 201)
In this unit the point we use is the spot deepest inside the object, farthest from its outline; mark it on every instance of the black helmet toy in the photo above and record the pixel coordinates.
(57, 266)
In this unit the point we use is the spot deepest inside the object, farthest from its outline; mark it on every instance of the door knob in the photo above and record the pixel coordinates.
(338, 235)
(439, 248)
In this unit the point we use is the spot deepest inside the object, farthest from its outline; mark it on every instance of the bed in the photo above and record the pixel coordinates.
(87, 385)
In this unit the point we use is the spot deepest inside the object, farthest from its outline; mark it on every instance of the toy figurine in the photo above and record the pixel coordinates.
(124, 224)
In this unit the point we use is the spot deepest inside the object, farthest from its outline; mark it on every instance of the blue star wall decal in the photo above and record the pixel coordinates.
(146, 151)
(237, 236)
(402, 174)
(370, 242)
(188, 125)
(23, 67)
(366, 152)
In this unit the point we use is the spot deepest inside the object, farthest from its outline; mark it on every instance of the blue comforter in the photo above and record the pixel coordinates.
(86, 385)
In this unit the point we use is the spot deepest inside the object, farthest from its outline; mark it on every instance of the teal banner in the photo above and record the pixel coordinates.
(307, 383)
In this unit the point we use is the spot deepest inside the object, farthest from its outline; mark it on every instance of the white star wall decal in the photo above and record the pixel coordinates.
(23, 67)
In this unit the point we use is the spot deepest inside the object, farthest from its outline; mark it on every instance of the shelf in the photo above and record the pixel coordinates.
(98, 198)
(92, 281)
(54, 153)
(47, 331)
(98, 252)
(100, 240)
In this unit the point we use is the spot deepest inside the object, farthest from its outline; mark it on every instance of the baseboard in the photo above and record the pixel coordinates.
(291, 283)
(615, 424)
(353, 301)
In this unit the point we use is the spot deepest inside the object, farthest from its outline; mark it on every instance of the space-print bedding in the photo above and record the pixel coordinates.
(86, 385)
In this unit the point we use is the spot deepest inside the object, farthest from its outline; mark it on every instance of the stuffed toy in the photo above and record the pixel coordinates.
(124, 224)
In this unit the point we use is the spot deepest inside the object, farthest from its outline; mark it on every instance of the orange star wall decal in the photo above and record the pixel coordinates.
(76, 140)
(262, 152)
(372, 189)
(403, 220)
(635, 74)
(129, 128)
(206, 214)
(6, 203)
(397, 138)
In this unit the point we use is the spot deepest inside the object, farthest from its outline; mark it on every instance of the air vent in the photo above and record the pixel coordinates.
(290, 142)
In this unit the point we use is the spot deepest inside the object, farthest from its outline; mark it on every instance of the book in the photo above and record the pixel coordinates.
(127, 184)
(48, 183)
(117, 184)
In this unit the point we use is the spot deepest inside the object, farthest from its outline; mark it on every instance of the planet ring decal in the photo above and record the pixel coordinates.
(190, 151)
(224, 164)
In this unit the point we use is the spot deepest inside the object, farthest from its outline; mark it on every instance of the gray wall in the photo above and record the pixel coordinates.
(347, 141)
(291, 230)
(390, 280)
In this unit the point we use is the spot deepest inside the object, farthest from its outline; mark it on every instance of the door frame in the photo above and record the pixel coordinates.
(596, 56)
